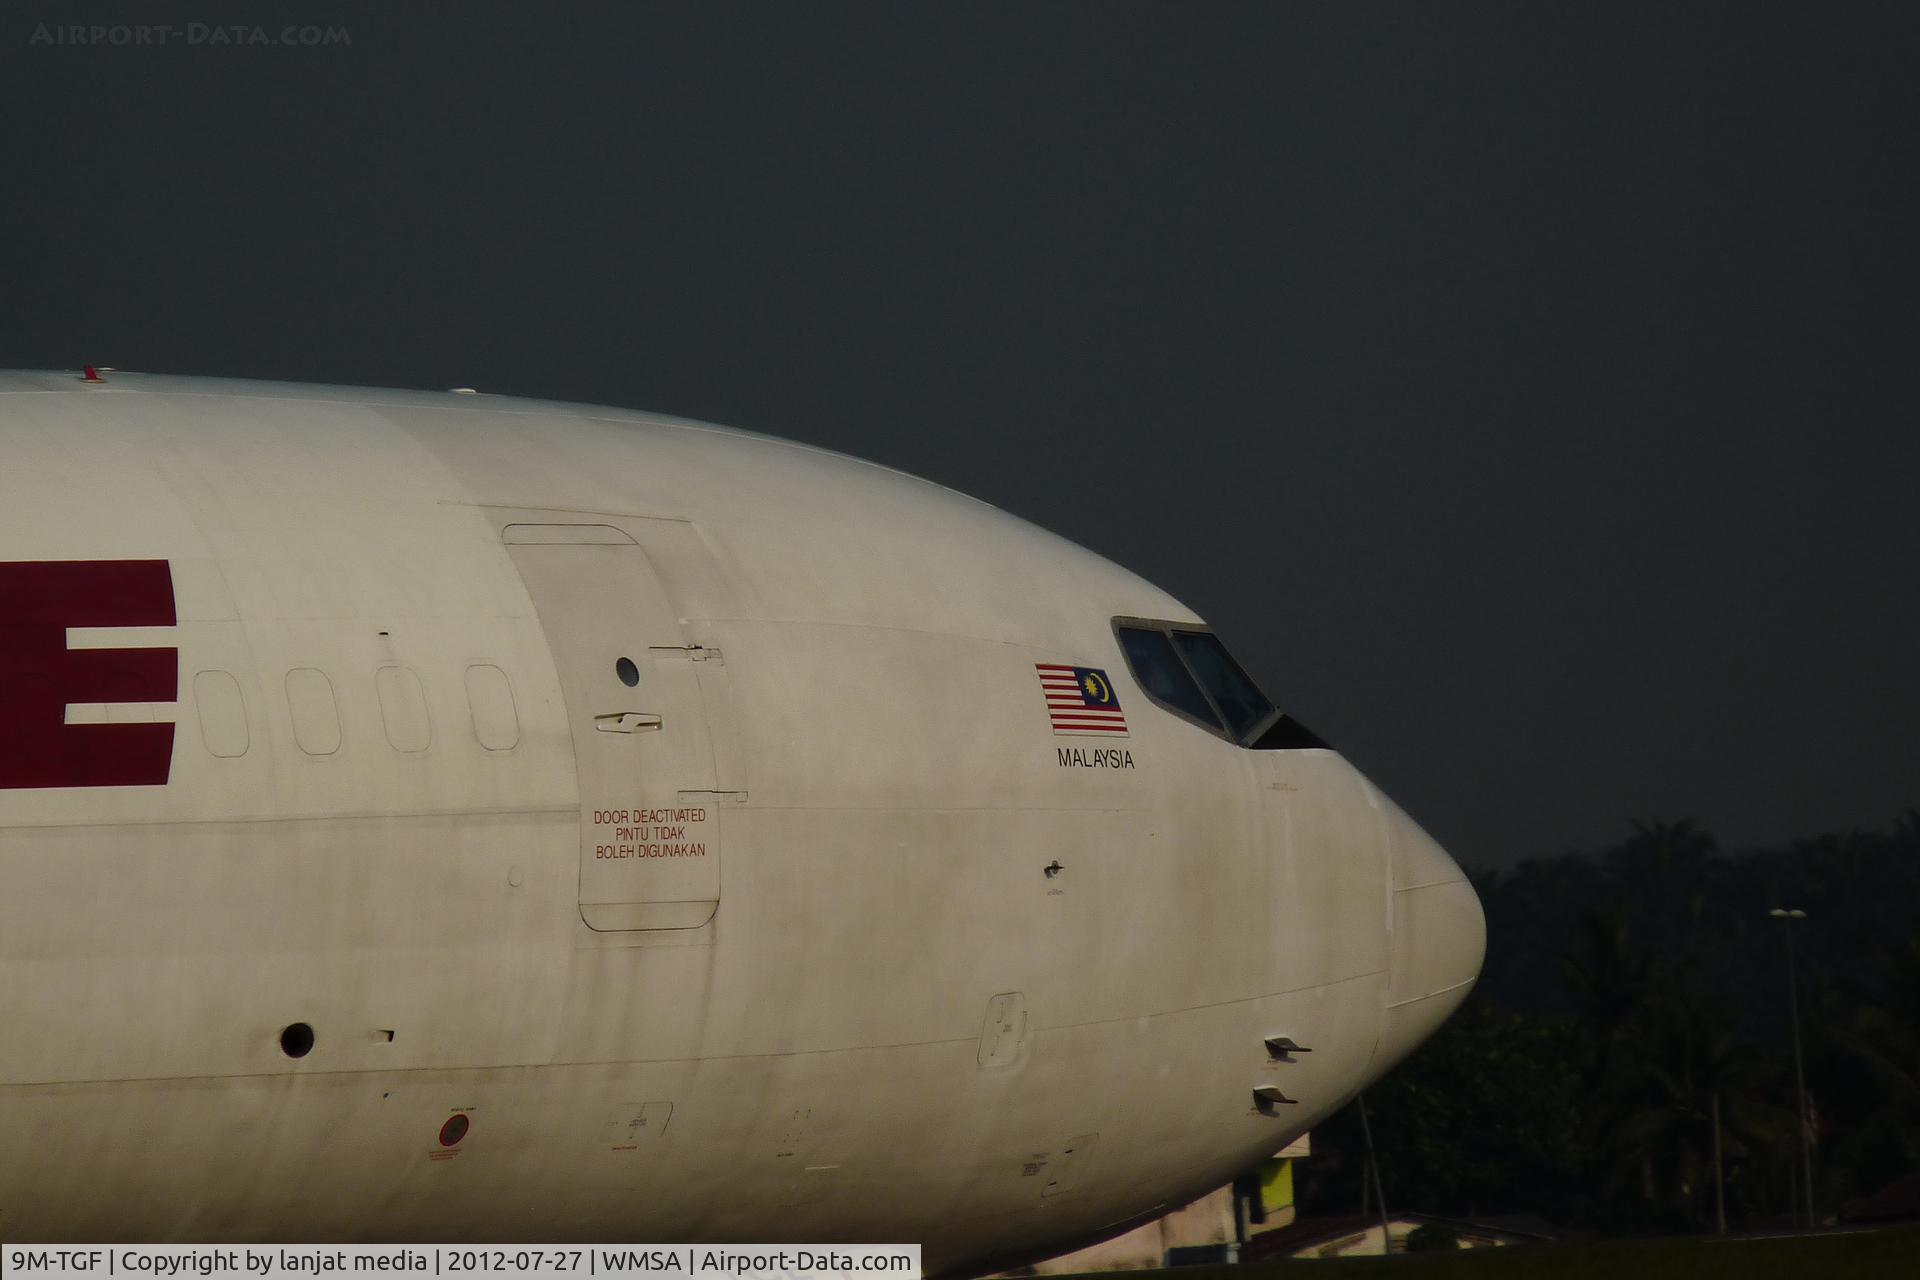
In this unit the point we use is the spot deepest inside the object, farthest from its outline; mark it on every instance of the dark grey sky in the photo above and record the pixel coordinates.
(1528, 391)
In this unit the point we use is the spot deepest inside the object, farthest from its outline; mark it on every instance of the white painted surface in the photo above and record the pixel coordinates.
(796, 1040)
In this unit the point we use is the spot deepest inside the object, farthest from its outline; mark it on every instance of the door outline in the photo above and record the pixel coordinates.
(644, 755)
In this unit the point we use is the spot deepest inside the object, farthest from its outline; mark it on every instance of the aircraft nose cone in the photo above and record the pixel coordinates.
(1437, 941)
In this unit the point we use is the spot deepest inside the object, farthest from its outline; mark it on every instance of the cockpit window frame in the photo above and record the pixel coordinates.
(1226, 659)
(1216, 726)
(1219, 729)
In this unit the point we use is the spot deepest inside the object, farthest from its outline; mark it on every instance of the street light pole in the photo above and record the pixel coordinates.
(1787, 917)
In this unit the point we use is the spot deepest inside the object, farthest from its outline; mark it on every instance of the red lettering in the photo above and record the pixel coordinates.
(40, 676)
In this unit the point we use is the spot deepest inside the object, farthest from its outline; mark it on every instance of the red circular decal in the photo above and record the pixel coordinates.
(453, 1130)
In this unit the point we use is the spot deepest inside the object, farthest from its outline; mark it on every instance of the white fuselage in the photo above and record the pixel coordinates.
(677, 807)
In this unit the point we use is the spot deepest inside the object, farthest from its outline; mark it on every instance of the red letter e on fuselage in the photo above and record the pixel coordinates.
(40, 676)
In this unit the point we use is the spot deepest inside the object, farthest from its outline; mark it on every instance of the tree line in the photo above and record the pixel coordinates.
(1625, 1064)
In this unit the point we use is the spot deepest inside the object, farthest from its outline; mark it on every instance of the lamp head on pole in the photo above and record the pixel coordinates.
(1782, 913)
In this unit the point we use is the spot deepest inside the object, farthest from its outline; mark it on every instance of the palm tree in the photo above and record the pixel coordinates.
(1607, 983)
(1870, 1059)
(1678, 1064)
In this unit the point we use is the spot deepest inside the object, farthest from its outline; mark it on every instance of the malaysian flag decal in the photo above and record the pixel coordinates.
(1081, 700)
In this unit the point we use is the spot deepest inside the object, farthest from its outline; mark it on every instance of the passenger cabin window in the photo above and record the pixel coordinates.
(223, 714)
(316, 716)
(403, 709)
(496, 723)
(1188, 671)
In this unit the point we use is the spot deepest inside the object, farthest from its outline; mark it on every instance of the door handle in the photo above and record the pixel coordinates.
(626, 722)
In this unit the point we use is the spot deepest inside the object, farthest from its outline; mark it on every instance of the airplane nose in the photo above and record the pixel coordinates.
(1437, 938)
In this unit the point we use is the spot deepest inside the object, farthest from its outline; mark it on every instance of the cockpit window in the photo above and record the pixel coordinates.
(1185, 669)
(1164, 677)
(1241, 703)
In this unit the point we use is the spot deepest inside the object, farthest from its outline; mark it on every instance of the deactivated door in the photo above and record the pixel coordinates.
(642, 739)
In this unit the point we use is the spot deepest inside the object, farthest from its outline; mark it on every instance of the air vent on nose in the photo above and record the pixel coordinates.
(1282, 1048)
